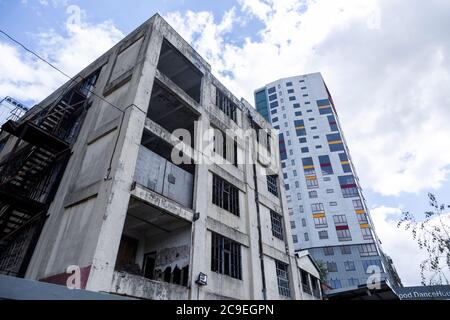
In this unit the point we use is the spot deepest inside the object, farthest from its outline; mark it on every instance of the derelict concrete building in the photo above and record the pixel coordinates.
(88, 180)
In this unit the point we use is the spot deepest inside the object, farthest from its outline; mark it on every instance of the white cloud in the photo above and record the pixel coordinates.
(400, 245)
(24, 77)
(388, 73)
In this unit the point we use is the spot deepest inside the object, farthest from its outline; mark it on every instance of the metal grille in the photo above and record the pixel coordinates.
(226, 256)
(272, 185)
(226, 105)
(225, 195)
(283, 278)
(277, 225)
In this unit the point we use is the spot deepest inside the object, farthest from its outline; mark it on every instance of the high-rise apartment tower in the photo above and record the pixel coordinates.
(328, 212)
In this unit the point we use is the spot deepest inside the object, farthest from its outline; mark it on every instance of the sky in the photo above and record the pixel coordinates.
(386, 63)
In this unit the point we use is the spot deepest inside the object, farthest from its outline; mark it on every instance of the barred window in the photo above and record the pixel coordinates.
(225, 195)
(283, 278)
(226, 105)
(277, 225)
(226, 256)
(272, 184)
(305, 281)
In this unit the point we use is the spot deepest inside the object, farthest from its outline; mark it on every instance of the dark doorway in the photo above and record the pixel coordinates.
(149, 265)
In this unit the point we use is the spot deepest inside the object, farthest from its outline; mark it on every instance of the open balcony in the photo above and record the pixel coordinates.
(154, 254)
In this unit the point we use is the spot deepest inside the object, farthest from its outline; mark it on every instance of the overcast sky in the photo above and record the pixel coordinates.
(386, 63)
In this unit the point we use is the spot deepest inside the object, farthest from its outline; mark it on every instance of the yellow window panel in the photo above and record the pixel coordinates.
(324, 107)
(360, 212)
(311, 178)
(308, 167)
(365, 226)
(335, 142)
(319, 215)
(345, 162)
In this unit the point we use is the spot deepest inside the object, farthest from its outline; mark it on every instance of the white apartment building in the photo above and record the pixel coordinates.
(328, 213)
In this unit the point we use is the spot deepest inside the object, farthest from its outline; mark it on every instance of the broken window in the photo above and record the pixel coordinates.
(282, 270)
(226, 105)
(277, 225)
(225, 195)
(226, 256)
(225, 146)
(180, 70)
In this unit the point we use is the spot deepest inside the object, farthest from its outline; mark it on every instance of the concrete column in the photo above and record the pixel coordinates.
(116, 192)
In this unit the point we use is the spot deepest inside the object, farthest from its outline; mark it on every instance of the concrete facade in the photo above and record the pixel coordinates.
(328, 213)
(136, 223)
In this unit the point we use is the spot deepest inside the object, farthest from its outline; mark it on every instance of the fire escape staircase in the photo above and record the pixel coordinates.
(28, 172)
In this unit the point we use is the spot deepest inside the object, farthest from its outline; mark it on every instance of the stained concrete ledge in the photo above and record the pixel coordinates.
(140, 287)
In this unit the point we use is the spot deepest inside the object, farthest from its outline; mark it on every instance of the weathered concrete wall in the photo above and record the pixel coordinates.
(159, 175)
(172, 249)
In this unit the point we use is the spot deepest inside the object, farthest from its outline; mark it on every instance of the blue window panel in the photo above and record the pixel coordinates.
(286, 186)
(336, 147)
(274, 111)
(347, 180)
(343, 156)
(272, 90)
(273, 104)
(333, 124)
(333, 137)
(298, 114)
(326, 111)
(291, 98)
(275, 119)
(346, 168)
(290, 91)
(285, 176)
(307, 162)
(289, 84)
(283, 165)
(306, 95)
(324, 102)
(261, 103)
(307, 102)
(325, 165)
(277, 127)
(303, 88)
(302, 140)
(296, 105)
(273, 97)
(305, 150)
